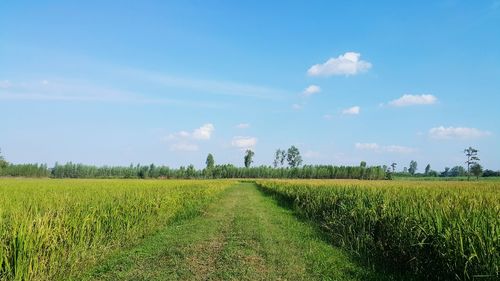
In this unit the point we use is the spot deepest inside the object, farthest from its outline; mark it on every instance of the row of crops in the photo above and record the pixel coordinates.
(51, 228)
(434, 230)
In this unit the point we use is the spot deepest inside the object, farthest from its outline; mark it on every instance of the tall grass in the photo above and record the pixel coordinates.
(435, 230)
(51, 228)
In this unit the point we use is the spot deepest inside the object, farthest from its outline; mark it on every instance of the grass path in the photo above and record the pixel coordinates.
(243, 236)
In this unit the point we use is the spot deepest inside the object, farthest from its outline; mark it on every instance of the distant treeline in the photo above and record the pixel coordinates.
(71, 170)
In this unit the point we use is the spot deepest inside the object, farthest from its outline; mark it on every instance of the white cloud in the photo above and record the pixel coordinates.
(311, 90)
(457, 133)
(45, 82)
(407, 100)
(296, 106)
(328, 116)
(182, 139)
(387, 148)
(204, 132)
(346, 64)
(352, 110)
(243, 126)
(4, 84)
(244, 142)
(183, 147)
(367, 146)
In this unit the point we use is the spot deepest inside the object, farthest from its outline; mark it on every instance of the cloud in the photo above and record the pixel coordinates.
(387, 148)
(346, 64)
(45, 82)
(296, 106)
(352, 110)
(213, 87)
(367, 146)
(183, 147)
(244, 142)
(311, 90)
(242, 126)
(5, 84)
(457, 133)
(408, 100)
(183, 139)
(204, 132)
(76, 90)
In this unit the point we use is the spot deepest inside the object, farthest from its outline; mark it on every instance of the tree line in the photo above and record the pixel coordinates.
(287, 164)
(211, 171)
(472, 163)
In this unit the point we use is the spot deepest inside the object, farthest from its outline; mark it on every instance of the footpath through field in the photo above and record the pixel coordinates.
(243, 236)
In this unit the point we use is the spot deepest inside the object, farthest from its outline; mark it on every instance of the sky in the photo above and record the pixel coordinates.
(167, 82)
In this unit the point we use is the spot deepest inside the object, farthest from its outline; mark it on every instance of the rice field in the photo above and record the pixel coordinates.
(434, 230)
(52, 228)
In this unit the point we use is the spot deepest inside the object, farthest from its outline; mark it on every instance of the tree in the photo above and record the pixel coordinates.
(457, 171)
(293, 157)
(427, 169)
(413, 167)
(3, 163)
(393, 165)
(279, 158)
(362, 164)
(248, 158)
(446, 172)
(476, 170)
(471, 154)
(210, 161)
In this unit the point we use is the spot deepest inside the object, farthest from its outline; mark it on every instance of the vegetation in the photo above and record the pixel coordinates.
(248, 158)
(48, 228)
(435, 230)
(472, 159)
(293, 157)
(242, 236)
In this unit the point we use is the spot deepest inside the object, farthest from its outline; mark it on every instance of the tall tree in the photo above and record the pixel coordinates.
(413, 167)
(293, 157)
(476, 170)
(282, 157)
(393, 165)
(248, 158)
(427, 169)
(362, 164)
(210, 161)
(279, 158)
(472, 158)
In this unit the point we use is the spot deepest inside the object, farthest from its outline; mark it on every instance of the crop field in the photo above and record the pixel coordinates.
(434, 230)
(75, 229)
(50, 228)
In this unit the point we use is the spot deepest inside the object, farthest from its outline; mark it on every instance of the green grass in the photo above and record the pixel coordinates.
(244, 236)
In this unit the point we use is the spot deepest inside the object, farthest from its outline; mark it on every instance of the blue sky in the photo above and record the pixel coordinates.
(168, 82)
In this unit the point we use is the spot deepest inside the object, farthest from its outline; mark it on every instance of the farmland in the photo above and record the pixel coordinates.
(49, 228)
(53, 229)
(435, 230)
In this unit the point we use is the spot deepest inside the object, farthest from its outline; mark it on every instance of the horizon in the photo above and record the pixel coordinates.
(169, 83)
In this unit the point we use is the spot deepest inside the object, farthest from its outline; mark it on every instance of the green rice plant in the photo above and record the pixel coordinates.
(52, 228)
(435, 230)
